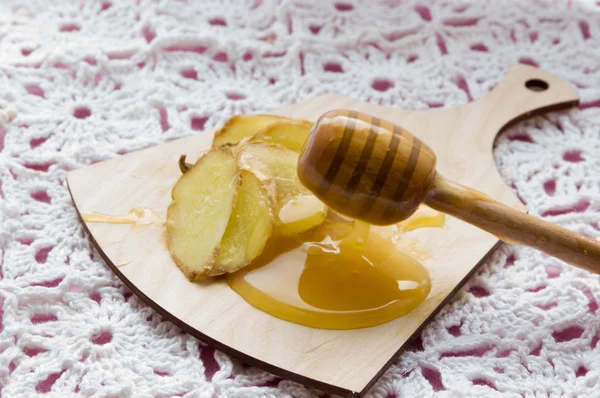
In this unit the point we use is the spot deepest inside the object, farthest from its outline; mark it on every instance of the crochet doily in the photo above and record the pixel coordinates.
(83, 81)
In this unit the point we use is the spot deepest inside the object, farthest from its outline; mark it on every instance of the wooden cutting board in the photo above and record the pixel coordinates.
(344, 362)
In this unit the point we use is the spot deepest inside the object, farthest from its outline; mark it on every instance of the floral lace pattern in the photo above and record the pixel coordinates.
(84, 81)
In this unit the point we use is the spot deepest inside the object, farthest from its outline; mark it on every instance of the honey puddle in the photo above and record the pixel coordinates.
(137, 216)
(340, 275)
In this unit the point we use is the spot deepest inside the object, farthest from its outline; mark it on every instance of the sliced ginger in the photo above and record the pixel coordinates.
(249, 227)
(300, 214)
(281, 164)
(242, 126)
(272, 129)
(285, 134)
(297, 209)
(225, 206)
(203, 200)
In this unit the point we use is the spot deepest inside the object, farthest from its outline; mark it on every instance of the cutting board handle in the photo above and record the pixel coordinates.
(524, 91)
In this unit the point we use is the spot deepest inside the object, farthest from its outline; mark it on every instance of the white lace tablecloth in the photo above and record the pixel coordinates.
(83, 81)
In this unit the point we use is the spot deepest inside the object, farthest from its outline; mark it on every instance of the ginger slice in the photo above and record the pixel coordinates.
(203, 200)
(300, 214)
(242, 126)
(295, 212)
(249, 228)
(285, 134)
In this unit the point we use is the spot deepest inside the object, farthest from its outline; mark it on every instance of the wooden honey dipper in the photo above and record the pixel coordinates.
(374, 171)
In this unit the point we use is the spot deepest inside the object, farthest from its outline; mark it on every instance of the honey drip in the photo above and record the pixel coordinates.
(341, 275)
(137, 216)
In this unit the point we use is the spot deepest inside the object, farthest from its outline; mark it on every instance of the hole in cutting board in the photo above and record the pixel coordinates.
(536, 85)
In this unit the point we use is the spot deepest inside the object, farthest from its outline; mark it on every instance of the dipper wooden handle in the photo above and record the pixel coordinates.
(513, 226)
(372, 170)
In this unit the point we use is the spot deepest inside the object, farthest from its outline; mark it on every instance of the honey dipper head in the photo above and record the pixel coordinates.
(366, 168)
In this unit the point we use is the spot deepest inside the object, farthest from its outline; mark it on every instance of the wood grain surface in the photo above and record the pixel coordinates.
(345, 362)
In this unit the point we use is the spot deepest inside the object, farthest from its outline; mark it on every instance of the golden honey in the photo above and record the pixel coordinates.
(136, 216)
(340, 275)
(337, 276)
